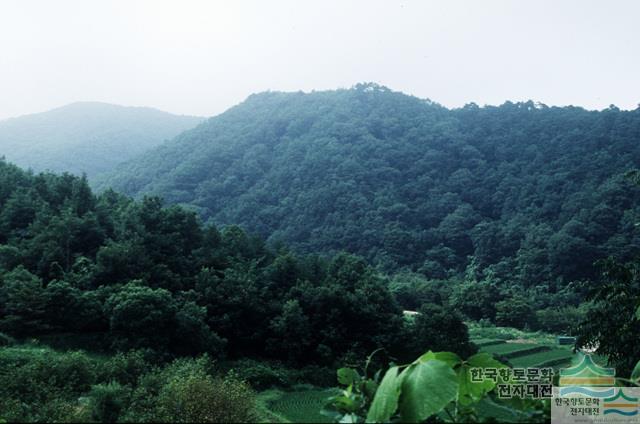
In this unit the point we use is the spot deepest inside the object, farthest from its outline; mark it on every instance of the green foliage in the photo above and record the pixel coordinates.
(385, 401)
(610, 323)
(24, 306)
(560, 320)
(412, 290)
(198, 397)
(40, 384)
(436, 384)
(263, 375)
(635, 374)
(530, 192)
(437, 328)
(476, 300)
(267, 374)
(515, 311)
(142, 317)
(124, 368)
(144, 276)
(426, 387)
(106, 402)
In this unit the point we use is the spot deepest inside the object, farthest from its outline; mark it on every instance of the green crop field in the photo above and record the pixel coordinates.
(511, 349)
(548, 357)
(302, 406)
(487, 342)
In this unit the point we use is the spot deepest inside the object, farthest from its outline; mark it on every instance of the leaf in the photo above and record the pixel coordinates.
(349, 418)
(635, 375)
(448, 357)
(347, 376)
(427, 387)
(346, 404)
(333, 415)
(368, 388)
(469, 391)
(385, 401)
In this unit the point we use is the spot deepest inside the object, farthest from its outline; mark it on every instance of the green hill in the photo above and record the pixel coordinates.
(531, 192)
(87, 137)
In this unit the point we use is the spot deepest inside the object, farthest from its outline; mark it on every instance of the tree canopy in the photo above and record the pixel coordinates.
(525, 192)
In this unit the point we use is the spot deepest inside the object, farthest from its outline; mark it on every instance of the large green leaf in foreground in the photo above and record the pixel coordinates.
(427, 387)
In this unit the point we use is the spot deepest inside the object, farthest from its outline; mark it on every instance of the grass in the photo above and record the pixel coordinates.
(301, 406)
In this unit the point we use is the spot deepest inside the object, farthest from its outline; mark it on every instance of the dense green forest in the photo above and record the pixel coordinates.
(352, 230)
(87, 137)
(118, 275)
(524, 194)
(146, 276)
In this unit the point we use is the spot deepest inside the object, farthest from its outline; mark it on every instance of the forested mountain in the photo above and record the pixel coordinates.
(87, 137)
(523, 192)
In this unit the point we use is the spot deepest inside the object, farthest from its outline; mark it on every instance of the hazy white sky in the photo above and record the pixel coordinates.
(200, 57)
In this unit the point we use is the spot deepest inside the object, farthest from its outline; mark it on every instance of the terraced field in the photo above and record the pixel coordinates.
(551, 358)
(487, 342)
(530, 354)
(302, 406)
(513, 349)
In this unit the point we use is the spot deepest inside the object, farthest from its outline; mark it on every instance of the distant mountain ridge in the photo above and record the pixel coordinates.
(87, 137)
(521, 191)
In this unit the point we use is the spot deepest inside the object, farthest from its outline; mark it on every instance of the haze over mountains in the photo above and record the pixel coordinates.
(522, 191)
(87, 137)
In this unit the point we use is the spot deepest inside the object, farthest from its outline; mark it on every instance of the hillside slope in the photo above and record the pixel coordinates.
(87, 137)
(521, 191)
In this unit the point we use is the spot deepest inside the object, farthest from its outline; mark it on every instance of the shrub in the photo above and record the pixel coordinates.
(198, 397)
(515, 312)
(125, 368)
(263, 375)
(317, 375)
(437, 328)
(559, 320)
(107, 402)
(37, 373)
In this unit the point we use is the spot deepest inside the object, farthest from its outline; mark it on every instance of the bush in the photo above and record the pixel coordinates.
(515, 312)
(37, 374)
(187, 391)
(559, 320)
(198, 397)
(317, 375)
(437, 328)
(53, 410)
(263, 375)
(107, 402)
(124, 368)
